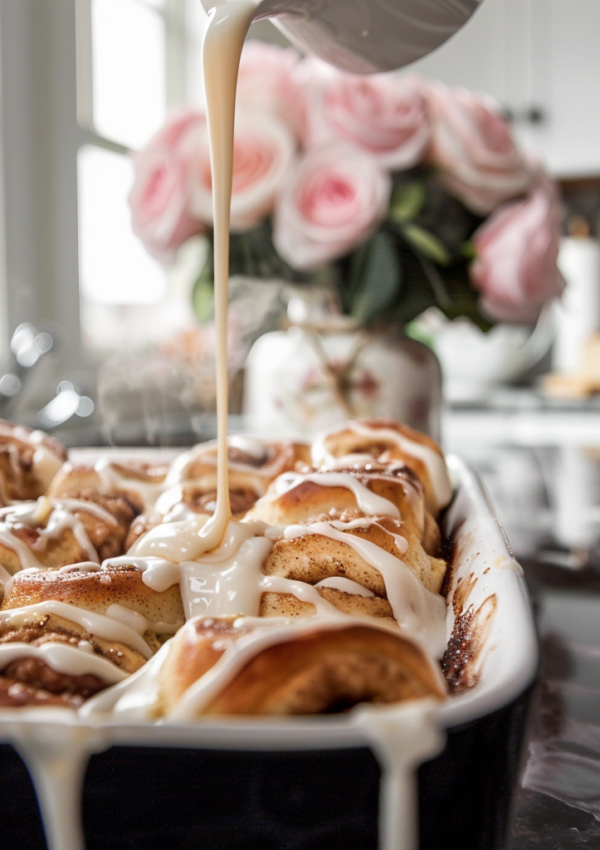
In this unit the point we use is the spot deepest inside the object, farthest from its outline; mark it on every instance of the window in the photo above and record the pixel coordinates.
(132, 64)
(83, 82)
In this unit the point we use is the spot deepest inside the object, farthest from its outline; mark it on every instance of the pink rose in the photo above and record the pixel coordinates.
(159, 197)
(473, 147)
(264, 150)
(333, 201)
(383, 114)
(266, 78)
(515, 269)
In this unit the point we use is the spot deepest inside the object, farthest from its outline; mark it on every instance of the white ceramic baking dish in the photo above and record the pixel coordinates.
(490, 627)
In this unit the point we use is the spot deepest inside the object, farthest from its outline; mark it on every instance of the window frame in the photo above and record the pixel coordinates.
(45, 118)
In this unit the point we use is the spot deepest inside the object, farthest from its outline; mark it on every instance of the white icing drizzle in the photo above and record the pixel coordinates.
(45, 462)
(207, 453)
(135, 621)
(60, 517)
(170, 499)
(436, 466)
(365, 522)
(133, 699)
(435, 463)
(113, 480)
(72, 660)
(88, 508)
(368, 502)
(21, 549)
(25, 512)
(158, 573)
(346, 585)
(97, 624)
(301, 590)
(5, 580)
(59, 520)
(228, 587)
(57, 764)
(173, 541)
(82, 567)
(401, 736)
(251, 446)
(419, 613)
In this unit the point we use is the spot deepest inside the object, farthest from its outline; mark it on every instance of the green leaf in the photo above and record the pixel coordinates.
(375, 279)
(407, 202)
(468, 250)
(203, 290)
(426, 243)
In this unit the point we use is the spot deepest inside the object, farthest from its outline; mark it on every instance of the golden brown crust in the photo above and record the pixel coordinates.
(323, 671)
(288, 605)
(314, 557)
(96, 591)
(308, 499)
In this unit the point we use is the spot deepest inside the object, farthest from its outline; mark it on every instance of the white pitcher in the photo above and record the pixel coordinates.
(365, 36)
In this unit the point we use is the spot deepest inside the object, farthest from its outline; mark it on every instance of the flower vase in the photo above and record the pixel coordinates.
(311, 377)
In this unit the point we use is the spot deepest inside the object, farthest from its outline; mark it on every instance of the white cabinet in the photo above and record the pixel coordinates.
(541, 60)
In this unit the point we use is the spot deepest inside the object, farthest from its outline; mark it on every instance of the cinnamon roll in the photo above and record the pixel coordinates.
(136, 482)
(385, 491)
(191, 485)
(67, 634)
(321, 669)
(29, 460)
(57, 532)
(253, 463)
(384, 440)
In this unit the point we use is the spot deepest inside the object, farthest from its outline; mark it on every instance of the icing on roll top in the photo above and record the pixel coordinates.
(299, 497)
(96, 589)
(55, 532)
(29, 461)
(359, 441)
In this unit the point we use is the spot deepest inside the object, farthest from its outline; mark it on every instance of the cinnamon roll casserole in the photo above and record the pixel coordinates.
(324, 592)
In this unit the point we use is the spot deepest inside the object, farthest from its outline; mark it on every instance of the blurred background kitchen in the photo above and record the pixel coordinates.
(101, 343)
(85, 83)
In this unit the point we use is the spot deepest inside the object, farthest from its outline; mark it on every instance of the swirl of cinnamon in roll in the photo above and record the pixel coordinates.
(191, 485)
(252, 462)
(359, 443)
(58, 532)
(67, 634)
(136, 482)
(29, 460)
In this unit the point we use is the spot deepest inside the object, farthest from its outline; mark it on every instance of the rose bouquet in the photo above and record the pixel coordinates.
(401, 194)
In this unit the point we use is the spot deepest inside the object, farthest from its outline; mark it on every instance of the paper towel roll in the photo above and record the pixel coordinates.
(578, 313)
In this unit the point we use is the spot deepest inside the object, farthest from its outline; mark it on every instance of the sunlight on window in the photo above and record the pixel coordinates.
(114, 267)
(129, 90)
